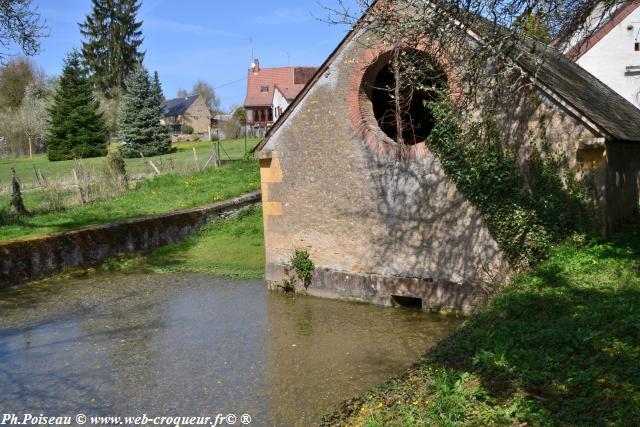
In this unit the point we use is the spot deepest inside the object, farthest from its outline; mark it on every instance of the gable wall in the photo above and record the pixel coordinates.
(375, 227)
(279, 102)
(198, 116)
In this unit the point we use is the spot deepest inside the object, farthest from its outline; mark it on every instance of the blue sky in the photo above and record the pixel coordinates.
(206, 39)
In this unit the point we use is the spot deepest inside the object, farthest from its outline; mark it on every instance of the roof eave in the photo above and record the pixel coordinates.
(586, 44)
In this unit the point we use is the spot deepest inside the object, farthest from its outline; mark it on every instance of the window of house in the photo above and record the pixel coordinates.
(264, 88)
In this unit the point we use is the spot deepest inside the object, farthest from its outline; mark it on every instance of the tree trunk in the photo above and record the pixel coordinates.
(397, 95)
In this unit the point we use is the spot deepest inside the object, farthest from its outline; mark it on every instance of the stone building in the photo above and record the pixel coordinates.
(192, 111)
(379, 228)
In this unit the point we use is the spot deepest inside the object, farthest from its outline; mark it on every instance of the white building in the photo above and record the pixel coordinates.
(609, 48)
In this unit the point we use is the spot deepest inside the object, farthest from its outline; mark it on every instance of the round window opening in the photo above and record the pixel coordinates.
(399, 86)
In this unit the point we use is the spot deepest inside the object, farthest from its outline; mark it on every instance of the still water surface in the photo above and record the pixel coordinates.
(196, 345)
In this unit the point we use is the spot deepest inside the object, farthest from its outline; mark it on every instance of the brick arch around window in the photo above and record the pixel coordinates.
(360, 108)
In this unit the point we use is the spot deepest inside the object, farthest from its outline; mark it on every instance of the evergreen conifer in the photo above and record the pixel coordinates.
(162, 135)
(113, 39)
(76, 127)
(139, 117)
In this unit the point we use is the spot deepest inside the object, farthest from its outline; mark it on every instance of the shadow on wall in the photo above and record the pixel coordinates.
(430, 230)
(466, 213)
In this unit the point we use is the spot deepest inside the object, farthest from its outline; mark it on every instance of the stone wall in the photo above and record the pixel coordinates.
(376, 226)
(198, 116)
(362, 214)
(36, 258)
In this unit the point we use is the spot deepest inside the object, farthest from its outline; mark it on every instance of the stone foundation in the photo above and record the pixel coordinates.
(436, 295)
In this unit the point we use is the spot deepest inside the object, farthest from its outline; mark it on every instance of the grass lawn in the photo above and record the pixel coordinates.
(232, 248)
(560, 346)
(161, 194)
(183, 160)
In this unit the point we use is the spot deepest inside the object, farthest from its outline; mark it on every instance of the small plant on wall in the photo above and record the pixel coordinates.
(288, 285)
(302, 264)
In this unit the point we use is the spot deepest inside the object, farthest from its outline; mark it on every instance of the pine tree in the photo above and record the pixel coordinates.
(76, 127)
(113, 39)
(139, 117)
(162, 136)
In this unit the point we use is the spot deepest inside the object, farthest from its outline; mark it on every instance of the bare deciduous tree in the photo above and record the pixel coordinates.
(483, 40)
(32, 118)
(208, 93)
(15, 76)
(21, 25)
(24, 124)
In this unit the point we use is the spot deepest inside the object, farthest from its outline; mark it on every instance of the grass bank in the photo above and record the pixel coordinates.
(183, 160)
(161, 194)
(560, 346)
(232, 248)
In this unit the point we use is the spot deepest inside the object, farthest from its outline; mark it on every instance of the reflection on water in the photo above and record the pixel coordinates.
(196, 345)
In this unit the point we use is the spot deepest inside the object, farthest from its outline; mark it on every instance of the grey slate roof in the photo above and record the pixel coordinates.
(177, 106)
(619, 118)
(571, 83)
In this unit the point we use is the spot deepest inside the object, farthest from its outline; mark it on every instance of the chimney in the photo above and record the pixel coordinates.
(256, 66)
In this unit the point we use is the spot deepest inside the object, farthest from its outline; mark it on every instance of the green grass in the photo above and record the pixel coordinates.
(164, 193)
(183, 159)
(560, 346)
(232, 248)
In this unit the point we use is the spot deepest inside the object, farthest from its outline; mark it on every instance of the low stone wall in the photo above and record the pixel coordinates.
(436, 295)
(36, 258)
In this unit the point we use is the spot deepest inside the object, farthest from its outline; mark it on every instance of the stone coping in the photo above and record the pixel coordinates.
(34, 258)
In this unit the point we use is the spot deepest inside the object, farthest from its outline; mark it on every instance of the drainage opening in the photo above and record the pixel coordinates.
(410, 302)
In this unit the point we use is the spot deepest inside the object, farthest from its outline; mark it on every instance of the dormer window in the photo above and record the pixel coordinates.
(264, 88)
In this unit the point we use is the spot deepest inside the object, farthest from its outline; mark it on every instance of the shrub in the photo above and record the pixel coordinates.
(5, 215)
(302, 264)
(116, 169)
(187, 130)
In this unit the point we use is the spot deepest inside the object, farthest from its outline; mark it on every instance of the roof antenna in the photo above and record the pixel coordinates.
(288, 59)
(253, 57)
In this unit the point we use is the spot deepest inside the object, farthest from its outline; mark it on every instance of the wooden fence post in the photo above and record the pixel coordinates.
(195, 159)
(16, 195)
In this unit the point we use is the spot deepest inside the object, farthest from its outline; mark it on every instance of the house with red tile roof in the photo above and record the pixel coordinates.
(271, 90)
